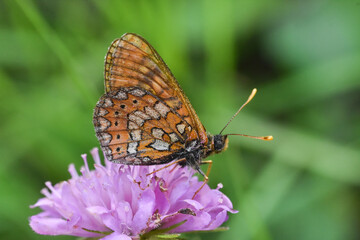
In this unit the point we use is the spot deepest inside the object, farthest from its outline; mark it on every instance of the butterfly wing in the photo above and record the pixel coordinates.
(155, 129)
(136, 127)
(132, 61)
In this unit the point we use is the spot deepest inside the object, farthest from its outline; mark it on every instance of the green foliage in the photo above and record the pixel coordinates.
(303, 56)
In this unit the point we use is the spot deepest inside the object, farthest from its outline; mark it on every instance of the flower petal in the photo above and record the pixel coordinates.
(145, 211)
(124, 201)
(116, 236)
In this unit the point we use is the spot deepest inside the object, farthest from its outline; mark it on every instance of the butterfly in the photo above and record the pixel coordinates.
(144, 117)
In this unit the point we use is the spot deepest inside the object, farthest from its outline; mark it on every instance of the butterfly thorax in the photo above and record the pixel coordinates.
(194, 151)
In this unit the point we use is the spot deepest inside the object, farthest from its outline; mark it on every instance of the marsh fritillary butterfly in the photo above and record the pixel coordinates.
(144, 117)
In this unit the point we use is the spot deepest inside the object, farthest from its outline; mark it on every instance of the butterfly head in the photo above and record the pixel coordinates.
(220, 143)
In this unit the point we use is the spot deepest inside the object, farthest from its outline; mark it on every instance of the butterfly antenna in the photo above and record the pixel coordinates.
(266, 138)
(247, 101)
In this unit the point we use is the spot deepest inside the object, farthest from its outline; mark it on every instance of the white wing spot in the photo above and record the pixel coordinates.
(162, 109)
(138, 120)
(142, 115)
(160, 145)
(105, 138)
(101, 111)
(132, 125)
(152, 112)
(132, 147)
(136, 135)
(102, 124)
(173, 137)
(107, 103)
(121, 95)
(137, 92)
(157, 133)
(181, 128)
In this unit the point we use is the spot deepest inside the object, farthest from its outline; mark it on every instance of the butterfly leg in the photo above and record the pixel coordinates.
(173, 169)
(166, 166)
(206, 176)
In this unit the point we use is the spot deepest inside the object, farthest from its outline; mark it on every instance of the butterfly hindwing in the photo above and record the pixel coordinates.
(136, 127)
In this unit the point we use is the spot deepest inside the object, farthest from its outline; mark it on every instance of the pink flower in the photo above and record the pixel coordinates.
(120, 202)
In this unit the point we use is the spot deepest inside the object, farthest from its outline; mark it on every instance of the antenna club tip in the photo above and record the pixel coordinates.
(268, 138)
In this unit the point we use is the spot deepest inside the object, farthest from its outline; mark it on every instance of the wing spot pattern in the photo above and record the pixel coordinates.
(101, 111)
(181, 128)
(101, 124)
(152, 112)
(132, 147)
(107, 103)
(138, 120)
(132, 125)
(136, 135)
(160, 145)
(105, 138)
(157, 133)
(162, 109)
(137, 92)
(173, 137)
(121, 95)
(142, 115)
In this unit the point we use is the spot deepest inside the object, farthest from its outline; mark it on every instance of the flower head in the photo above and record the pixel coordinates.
(120, 202)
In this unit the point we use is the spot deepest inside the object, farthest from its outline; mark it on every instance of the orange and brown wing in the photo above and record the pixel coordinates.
(136, 127)
(132, 62)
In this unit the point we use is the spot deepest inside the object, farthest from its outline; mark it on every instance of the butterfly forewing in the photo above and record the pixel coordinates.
(132, 61)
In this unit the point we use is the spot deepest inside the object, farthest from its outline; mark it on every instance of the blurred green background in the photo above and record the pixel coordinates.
(303, 56)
